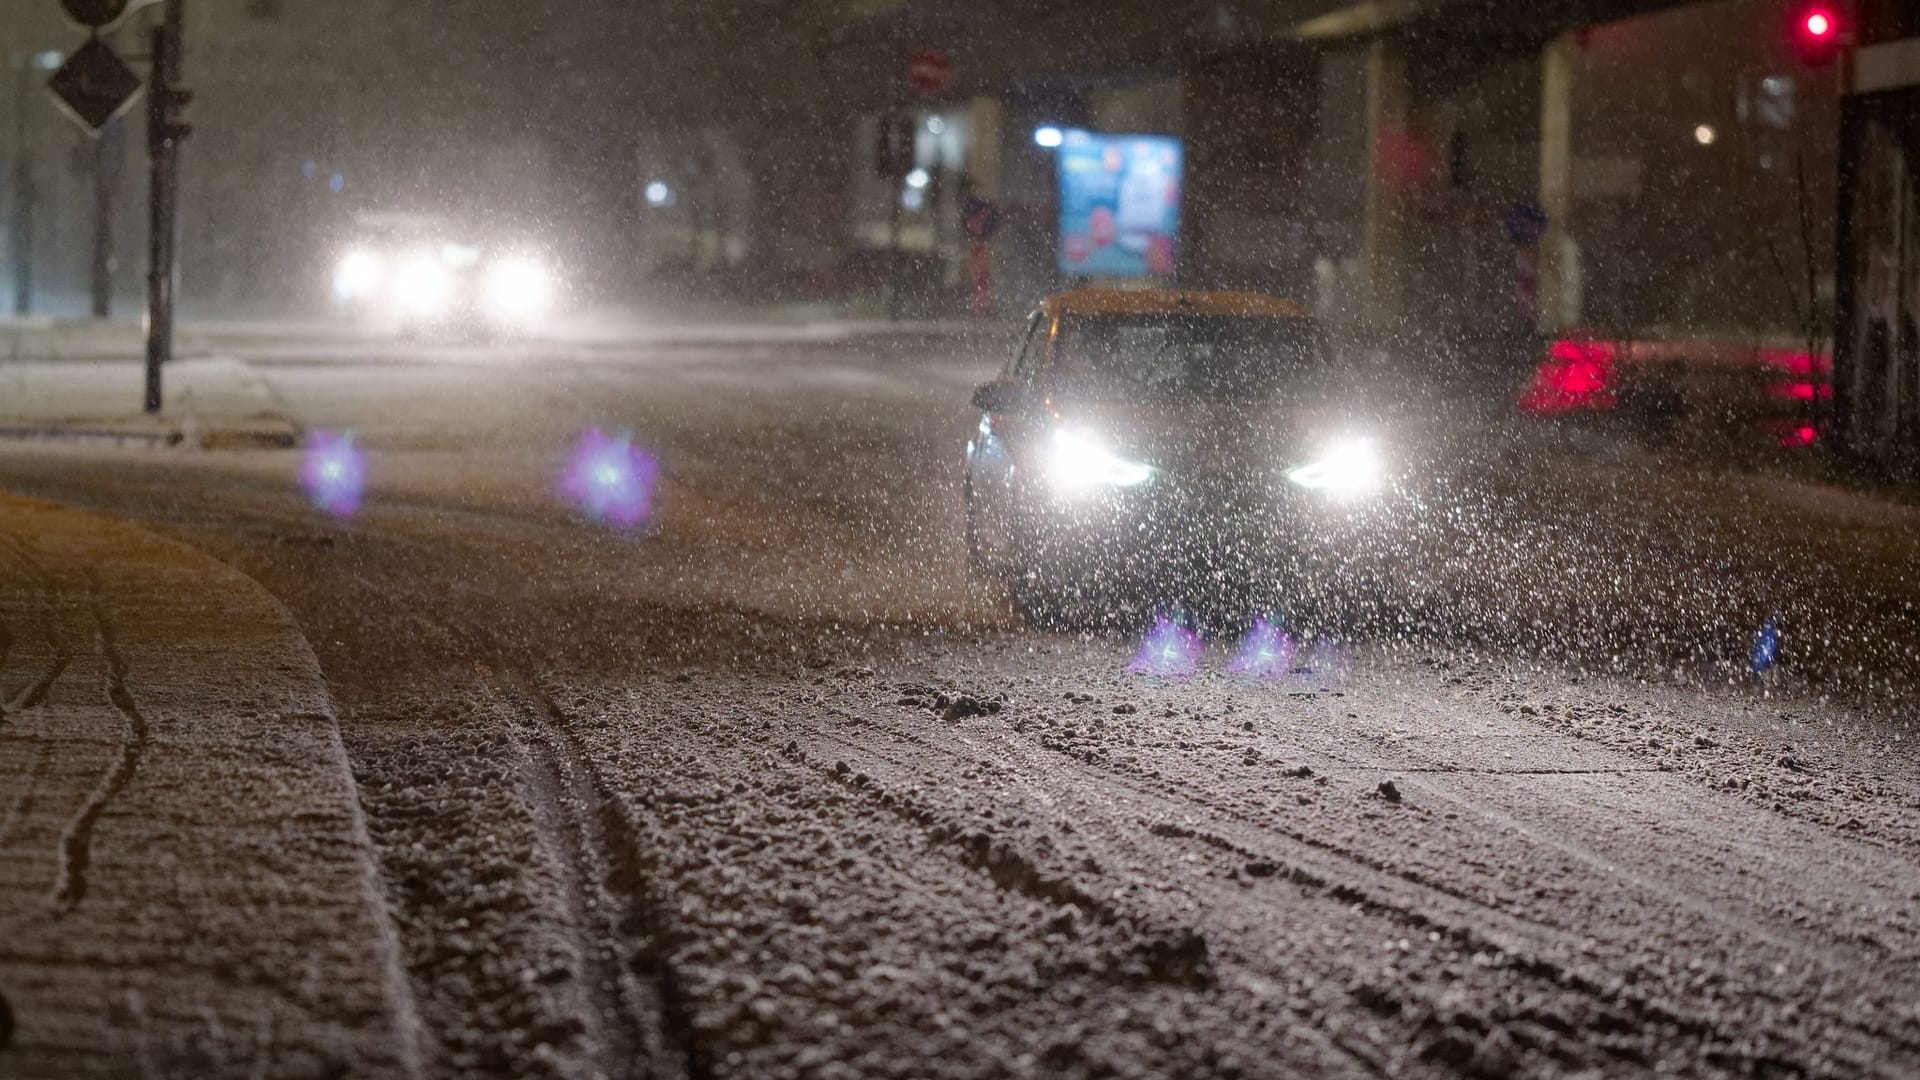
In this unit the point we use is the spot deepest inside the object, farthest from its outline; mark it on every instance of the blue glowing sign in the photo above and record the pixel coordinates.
(1119, 204)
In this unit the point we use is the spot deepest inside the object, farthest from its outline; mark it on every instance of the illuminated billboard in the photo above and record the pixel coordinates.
(1119, 204)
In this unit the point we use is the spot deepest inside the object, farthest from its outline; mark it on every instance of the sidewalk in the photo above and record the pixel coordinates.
(212, 402)
(185, 883)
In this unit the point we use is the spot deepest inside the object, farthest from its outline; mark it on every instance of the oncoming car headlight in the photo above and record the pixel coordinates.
(358, 275)
(1077, 461)
(518, 289)
(422, 285)
(1348, 468)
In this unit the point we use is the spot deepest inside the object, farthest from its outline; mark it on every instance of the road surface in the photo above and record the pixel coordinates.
(769, 787)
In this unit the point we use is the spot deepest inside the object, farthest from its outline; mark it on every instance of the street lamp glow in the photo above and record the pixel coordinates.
(1704, 134)
(1048, 136)
(659, 194)
(918, 178)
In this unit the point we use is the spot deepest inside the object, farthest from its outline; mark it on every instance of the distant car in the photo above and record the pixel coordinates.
(417, 275)
(1184, 449)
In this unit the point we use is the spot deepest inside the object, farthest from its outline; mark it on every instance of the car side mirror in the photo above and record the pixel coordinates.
(999, 396)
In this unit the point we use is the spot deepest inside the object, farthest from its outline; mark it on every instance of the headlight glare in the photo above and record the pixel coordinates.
(358, 275)
(519, 289)
(422, 285)
(1349, 468)
(1079, 462)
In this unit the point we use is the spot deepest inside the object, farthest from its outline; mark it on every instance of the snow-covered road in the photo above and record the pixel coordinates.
(771, 788)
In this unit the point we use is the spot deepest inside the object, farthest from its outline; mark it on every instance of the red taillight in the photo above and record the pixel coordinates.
(1799, 435)
(1580, 378)
(1575, 375)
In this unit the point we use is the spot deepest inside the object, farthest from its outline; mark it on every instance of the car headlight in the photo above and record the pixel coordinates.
(422, 285)
(518, 289)
(357, 275)
(1077, 461)
(1348, 468)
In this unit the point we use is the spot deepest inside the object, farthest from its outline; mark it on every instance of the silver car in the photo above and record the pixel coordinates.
(1174, 449)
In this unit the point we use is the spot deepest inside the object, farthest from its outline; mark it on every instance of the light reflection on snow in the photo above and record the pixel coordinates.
(1170, 650)
(333, 472)
(610, 479)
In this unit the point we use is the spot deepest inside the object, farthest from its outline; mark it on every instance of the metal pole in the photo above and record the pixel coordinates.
(23, 193)
(106, 158)
(163, 186)
(900, 161)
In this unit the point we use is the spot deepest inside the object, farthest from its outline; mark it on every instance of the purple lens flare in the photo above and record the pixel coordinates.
(333, 471)
(609, 479)
(1266, 652)
(1170, 650)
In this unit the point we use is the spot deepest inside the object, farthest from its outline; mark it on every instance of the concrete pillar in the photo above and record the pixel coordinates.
(984, 146)
(1560, 301)
(1389, 99)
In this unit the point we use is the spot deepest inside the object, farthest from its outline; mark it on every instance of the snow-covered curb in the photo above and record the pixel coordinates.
(186, 886)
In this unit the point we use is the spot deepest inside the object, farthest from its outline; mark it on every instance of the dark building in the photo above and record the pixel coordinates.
(1371, 158)
(1877, 354)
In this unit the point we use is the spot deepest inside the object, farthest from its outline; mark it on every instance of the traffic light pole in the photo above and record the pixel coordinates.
(21, 185)
(163, 154)
(106, 158)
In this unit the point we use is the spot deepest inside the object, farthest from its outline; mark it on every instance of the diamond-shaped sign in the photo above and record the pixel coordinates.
(94, 13)
(94, 85)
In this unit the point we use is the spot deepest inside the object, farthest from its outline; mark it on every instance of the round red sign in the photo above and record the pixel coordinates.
(927, 70)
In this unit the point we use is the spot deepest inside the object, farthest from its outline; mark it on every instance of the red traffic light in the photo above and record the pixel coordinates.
(1818, 32)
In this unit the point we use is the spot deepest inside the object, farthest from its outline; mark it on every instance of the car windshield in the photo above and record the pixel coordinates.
(1171, 356)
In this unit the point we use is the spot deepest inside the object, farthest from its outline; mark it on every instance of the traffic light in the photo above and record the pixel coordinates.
(1818, 32)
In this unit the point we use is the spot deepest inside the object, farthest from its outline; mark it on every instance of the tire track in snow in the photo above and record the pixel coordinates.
(1520, 938)
(40, 686)
(641, 1028)
(76, 840)
(1512, 942)
(1012, 869)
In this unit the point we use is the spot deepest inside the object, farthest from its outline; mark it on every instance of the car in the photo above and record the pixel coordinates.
(1176, 449)
(420, 276)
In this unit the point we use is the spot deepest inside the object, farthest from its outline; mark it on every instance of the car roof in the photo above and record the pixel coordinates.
(1171, 302)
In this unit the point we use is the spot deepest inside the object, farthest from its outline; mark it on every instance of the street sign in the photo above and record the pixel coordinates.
(95, 13)
(94, 85)
(928, 71)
